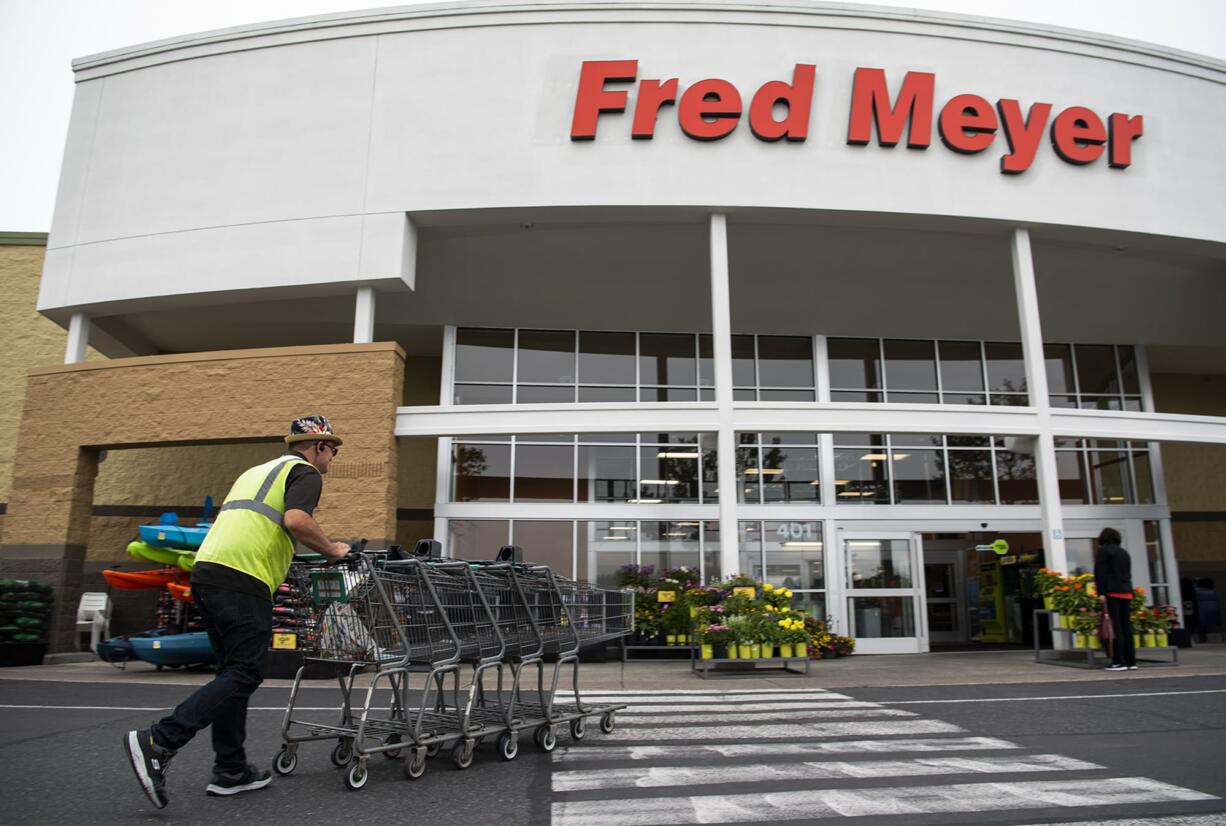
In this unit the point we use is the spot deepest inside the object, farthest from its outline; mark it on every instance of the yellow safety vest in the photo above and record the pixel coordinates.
(249, 533)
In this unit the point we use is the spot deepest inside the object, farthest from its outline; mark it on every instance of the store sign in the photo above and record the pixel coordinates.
(711, 109)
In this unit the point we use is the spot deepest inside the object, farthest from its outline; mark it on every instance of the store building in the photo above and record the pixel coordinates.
(829, 295)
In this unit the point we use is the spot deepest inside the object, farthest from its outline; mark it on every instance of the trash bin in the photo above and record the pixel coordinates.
(1208, 608)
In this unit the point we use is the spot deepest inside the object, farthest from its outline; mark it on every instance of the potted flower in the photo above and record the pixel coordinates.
(741, 628)
(792, 636)
(1045, 582)
(1085, 625)
(711, 636)
(1165, 618)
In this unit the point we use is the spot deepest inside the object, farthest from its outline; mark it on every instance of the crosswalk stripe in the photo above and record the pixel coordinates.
(722, 697)
(799, 714)
(645, 777)
(903, 800)
(1169, 820)
(590, 750)
(856, 728)
(674, 692)
(741, 708)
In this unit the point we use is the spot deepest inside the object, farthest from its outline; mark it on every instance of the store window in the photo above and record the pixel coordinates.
(917, 465)
(855, 369)
(1104, 472)
(861, 469)
(778, 468)
(481, 471)
(602, 547)
(910, 372)
(476, 539)
(962, 372)
(1158, 582)
(787, 554)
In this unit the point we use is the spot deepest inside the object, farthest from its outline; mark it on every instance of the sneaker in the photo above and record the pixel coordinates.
(249, 779)
(1116, 668)
(1132, 668)
(149, 761)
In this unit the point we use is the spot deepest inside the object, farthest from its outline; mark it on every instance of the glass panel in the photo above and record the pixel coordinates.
(743, 373)
(546, 356)
(879, 563)
(710, 474)
(484, 355)
(667, 479)
(1006, 370)
(1080, 554)
(961, 366)
(669, 545)
(794, 555)
(786, 395)
(959, 440)
(710, 552)
(1101, 403)
(1128, 370)
(748, 475)
(939, 580)
(609, 438)
(680, 438)
(607, 473)
(1059, 363)
(970, 476)
(1145, 478)
(603, 547)
(941, 617)
(1009, 400)
(812, 603)
(668, 394)
(544, 394)
(606, 394)
(1096, 369)
(858, 479)
(789, 474)
(480, 473)
(910, 365)
(667, 358)
(919, 476)
(543, 438)
(785, 361)
(1016, 478)
(546, 542)
(481, 394)
(706, 361)
(897, 397)
(606, 358)
(750, 548)
(963, 398)
(859, 439)
(1109, 474)
(802, 438)
(1132, 403)
(1073, 487)
(744, 395)
(476, 538)
(544, 473)
(882, 617)
(854, 396)
(1063, 401)
(855, 363)
(1153, 552)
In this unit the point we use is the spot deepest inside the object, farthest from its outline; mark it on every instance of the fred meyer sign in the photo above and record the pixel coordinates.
(711, 109)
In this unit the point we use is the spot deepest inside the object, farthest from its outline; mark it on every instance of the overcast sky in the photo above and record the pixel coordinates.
(39, 39)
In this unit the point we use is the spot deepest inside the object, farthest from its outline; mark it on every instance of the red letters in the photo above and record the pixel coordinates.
(870, 103)
(799, 98)
(967, 124)
(709, 110)
(1078, 135)
(1023, 135)
(592, 99)
(1123, 131)
(652, 95)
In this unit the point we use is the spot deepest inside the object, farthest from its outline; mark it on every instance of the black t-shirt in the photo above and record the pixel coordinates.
(303, 486)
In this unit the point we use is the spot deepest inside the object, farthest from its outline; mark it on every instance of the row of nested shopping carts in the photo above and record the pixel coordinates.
(471, 631)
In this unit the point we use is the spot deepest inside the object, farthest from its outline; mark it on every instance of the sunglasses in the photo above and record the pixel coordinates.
(335, 450)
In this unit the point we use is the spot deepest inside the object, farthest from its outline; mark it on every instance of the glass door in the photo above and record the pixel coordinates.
(943, 586)
(885, 592)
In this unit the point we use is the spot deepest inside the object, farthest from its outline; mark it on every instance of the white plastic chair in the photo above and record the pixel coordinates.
(94, 616)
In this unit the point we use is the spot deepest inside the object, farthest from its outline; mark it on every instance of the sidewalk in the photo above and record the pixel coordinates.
(857, 671)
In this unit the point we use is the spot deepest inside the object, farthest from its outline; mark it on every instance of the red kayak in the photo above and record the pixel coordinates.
(180, 591)
(143, 580)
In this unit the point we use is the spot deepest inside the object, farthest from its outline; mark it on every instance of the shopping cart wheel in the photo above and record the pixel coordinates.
(606, 722)
(545, 738)
(343, 753)
(391, 754)
(285, 762)
(508, 745)
(415, 764)
(462, 753)
(357, 775)
(578, 728)
(433, 749)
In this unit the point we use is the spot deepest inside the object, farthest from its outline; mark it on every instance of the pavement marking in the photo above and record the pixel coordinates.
(1059, 697)
(689, 699)
(594, 751)
(648, 708)
(643, 777)
(792, 731)
(158, 708)
(699, 691)
(633, 718)
(1169, 820)
(904, 800)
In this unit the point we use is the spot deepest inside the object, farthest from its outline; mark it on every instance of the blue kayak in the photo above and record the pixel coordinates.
(173, 649)
(173, 536)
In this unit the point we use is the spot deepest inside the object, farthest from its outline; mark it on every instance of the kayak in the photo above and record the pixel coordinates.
(143, 580)
(174, 536)
(164, 556)
(173, 649)
(181, 591)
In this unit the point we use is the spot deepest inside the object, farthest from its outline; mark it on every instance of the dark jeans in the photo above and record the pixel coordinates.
(240, 628)
(1122, 650)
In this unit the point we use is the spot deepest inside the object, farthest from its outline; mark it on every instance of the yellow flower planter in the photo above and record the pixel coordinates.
(730, 651)
(785, 650)
(670, 639)
(708, 651)
(1136, 640)
(1095, 642)
(1081, 641)
(1049, 604)
(1149, 640)
(744, 652)
(800, 650)
(1163, 640)
(768, 651)
(755, 650)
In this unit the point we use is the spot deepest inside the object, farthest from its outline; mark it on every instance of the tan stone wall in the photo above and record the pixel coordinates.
(72, 412)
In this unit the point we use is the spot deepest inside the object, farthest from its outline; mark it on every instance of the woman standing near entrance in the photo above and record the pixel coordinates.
(1113, 579)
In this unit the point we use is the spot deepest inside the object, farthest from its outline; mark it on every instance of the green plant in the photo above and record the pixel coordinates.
(1086, 621)
(717, 634)
(741, 628)
(1046, 580)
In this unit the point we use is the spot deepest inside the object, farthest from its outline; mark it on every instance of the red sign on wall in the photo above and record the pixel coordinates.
(711, 109)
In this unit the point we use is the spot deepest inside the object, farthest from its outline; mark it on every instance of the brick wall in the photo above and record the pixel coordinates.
(73, 412)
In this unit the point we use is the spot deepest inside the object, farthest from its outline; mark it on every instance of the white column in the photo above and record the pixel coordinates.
(364, 316)
(721, 351)
(1036, 381)
(1166, 535)
(78, 338)
(442, 469)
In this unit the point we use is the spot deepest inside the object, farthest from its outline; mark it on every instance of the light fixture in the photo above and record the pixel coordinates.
(856, 493)
(688, 524)
(881, 457)
(873, 545)
(659, 482)
(623, 528)
(796, 544)
(815, 482)
(673, 454)
(644, 501)
(900, 456)
(841, 482)
(677, 533)
(615, 538)
(764, 471)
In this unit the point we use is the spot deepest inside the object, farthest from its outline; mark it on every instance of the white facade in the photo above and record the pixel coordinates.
(420, 161)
